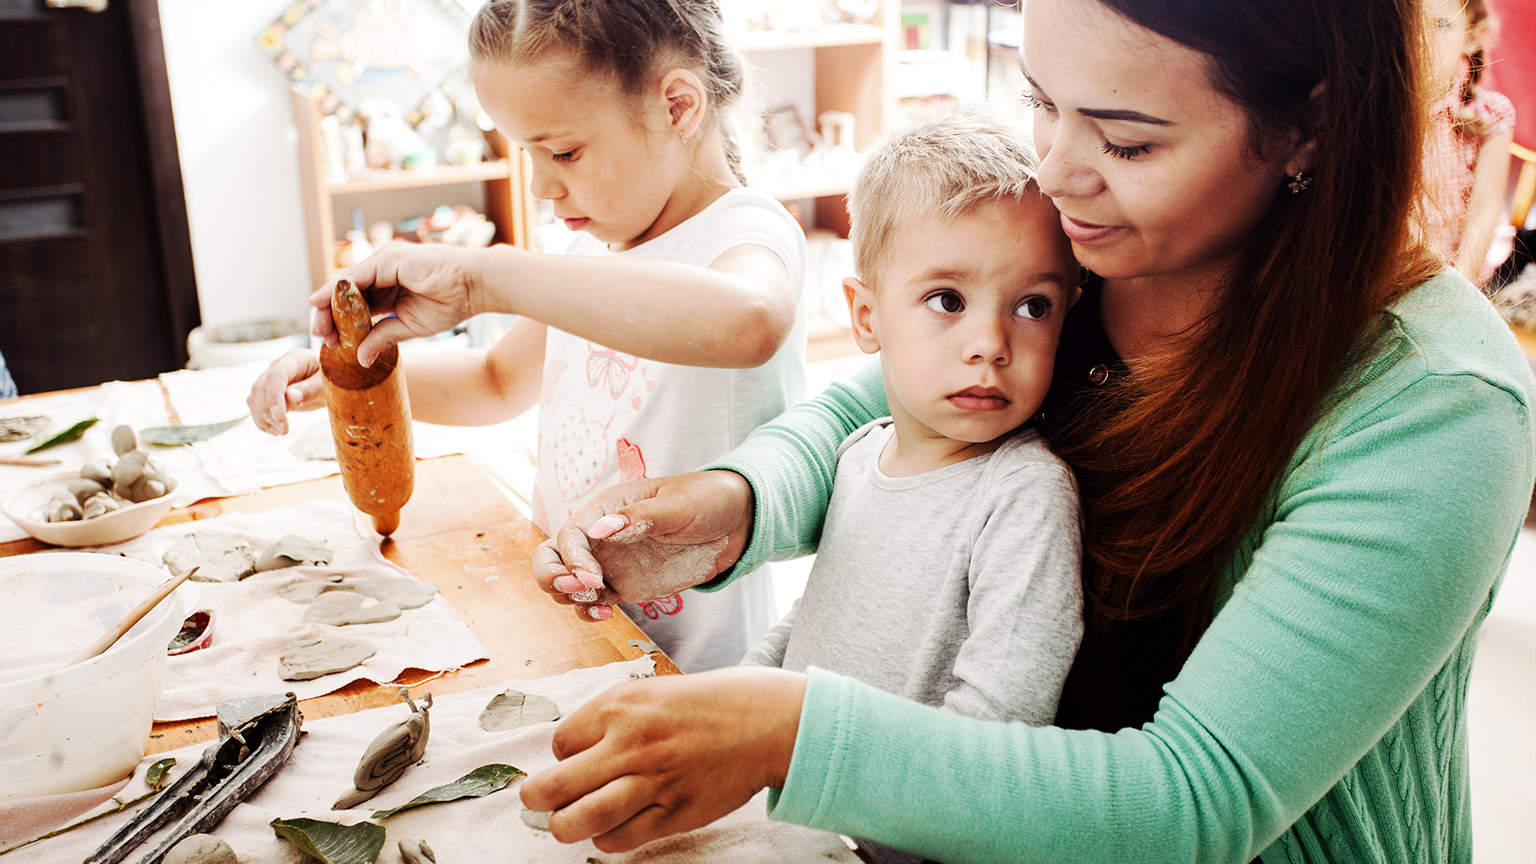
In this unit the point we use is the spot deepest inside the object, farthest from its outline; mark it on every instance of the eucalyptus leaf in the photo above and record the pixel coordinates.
(170, 436)
(155, 775)
(66, 436)
(332, 842)
(476, 784)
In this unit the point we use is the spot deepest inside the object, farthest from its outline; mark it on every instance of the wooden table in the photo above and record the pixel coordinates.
(462, 533)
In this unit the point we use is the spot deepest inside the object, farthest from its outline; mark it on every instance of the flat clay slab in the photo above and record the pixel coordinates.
(349, 607)
(218, 557)
(305, 659)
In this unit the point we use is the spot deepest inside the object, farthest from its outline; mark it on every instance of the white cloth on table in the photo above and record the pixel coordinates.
(478, 829)
(252, 622)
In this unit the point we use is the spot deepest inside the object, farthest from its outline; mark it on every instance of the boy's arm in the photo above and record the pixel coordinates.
(769, 650)
(1024, 612)
(478, 388)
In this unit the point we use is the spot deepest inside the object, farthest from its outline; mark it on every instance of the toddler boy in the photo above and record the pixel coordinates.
(948, 569)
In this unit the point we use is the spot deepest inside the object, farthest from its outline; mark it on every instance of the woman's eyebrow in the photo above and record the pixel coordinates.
(1122, 114)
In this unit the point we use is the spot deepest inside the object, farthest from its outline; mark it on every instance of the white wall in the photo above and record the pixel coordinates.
(235, 135)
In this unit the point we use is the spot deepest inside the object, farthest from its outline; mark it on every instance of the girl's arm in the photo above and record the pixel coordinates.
(1485, 204)
(733, 314)
(478, 388)
(457, 388)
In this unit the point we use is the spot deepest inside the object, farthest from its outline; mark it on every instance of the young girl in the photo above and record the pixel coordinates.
(667, 334)
(1469, 140)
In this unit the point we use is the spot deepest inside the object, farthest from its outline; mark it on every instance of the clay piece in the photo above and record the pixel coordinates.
(538, 820)
(291, 550)
(99, 504)
(416, 852)
(305, 659)
(514, 709)
(136, 477)
(341, 608)
(218, 557)
(84, 488)
(123, 440)
(393, 751)
(63, 507)
(404, 593)
(99, 470)
(200, 848)
(645, 645)
(21, 428)
(257, 735)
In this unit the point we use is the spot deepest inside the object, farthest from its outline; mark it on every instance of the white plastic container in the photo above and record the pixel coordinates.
(70, 728)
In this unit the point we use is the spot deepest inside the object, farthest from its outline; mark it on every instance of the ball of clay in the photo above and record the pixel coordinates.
(100, 470)
(416, 852)
(137, 478)
(124, 440)
(201, 849)
(63, 507)
(83, 489)
(99, 504)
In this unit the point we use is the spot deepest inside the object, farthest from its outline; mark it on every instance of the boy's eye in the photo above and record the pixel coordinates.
(944, 302)
(1034, 308)
(564, 157)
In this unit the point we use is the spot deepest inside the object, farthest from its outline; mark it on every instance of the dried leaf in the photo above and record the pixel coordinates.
(66, 436)
(21, 428)
(170, 436)
(514, 709)
(332, 842)
(476, 784)
(155, 775)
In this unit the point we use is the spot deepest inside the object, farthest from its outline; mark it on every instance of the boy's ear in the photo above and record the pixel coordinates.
(861, 309)
(686, 98)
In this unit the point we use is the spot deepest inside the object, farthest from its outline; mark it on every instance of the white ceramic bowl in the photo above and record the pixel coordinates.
(69, 728)
(27, 506)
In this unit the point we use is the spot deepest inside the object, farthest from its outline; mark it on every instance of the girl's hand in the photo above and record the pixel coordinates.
(427, 288)
(291, 383)
(651, 758)
(647, 539)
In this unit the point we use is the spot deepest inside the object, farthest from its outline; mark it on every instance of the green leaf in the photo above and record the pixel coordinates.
(332, 842)
(155, 775)
(476, 784)
(66, 436)
(170, 436)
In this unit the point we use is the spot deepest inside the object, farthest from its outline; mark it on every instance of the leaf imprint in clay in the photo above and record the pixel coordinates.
(219, 558)
(349, 607)
(304, 659)
(514, 709)
(538, 820)
(291, 550)
(405, 593)
(201, 849)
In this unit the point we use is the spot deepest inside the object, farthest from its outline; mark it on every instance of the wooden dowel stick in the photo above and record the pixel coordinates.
(111, 636)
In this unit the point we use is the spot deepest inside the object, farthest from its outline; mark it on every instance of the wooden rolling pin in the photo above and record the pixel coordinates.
(370, 415)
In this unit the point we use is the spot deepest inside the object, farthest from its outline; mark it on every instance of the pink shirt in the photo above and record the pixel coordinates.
(1450, 163)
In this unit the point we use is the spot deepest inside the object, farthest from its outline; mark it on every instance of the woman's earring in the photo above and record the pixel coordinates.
(1299, 183)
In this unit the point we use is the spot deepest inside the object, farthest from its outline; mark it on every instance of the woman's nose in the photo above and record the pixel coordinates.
(1063, 172)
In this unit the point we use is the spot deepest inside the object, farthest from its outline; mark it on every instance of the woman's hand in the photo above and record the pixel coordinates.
(291, 383)
(428, 289)
(647, 539)
(651, 758)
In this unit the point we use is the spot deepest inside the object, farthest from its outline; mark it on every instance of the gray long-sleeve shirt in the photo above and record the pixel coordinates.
(958, 587)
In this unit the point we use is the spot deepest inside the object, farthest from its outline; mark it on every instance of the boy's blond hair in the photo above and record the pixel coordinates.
(942, 168)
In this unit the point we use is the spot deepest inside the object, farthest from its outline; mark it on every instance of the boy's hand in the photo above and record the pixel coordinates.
(291, 383)
(426, 289)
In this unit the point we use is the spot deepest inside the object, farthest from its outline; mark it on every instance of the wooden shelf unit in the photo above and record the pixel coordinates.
(506, 203)
(853, 71)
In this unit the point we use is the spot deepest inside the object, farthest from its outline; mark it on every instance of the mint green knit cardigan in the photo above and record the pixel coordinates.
(1322, 717)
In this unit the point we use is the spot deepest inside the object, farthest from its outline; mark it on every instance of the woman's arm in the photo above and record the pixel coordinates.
(1485, 204)
(789, 464)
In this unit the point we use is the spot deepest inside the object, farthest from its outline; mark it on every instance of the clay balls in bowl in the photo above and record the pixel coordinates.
(103, 503)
